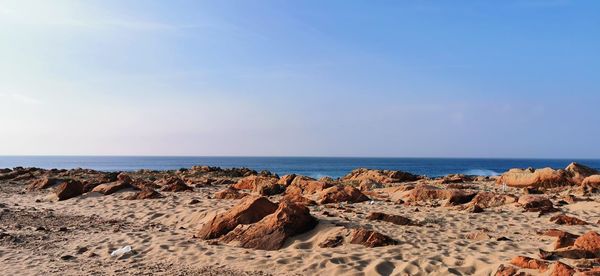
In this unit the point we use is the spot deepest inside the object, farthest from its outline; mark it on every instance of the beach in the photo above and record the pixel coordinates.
(438, 235)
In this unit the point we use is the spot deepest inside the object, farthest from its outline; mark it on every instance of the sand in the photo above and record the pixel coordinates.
(76, 237)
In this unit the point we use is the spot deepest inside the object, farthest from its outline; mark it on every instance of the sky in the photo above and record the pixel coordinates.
(301, 78)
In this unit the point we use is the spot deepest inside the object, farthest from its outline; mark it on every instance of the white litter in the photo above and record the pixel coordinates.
(121, 251)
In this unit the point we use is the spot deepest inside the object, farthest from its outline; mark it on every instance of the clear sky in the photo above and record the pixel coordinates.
(302, 78)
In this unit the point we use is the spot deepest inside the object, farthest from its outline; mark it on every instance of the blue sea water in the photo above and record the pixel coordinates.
(310, 166)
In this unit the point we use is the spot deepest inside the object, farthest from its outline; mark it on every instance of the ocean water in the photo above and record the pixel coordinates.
(310, 166)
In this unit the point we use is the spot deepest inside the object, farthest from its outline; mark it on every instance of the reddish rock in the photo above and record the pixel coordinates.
(590, 241)
(286, 180)
(454, 178)
(563, 239)
(263, 185)
(250, 210)
(230, 193)
(110, 188)
(68, 189)
(332, 241)
(563, 219)
(536, 203)
(545, 177)
(272, 231)
(529, 263)
(506, 270)
(341, 193)
(299, 199)
(579, 172)
(395, 219)
(592, 181)
(561, 269)
(173, 184)
(490, 200)
(145, 194)
(478, 236)
(370, 238)
(379, 176)
(124, 178)
(305, 185)
(43, 183)
(423, 192)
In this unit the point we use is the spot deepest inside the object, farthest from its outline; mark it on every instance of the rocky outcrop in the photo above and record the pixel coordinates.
(286, 180)
(43, 183)
(395, 219)
(113, 187)
(590, 242)
(579, 172)
(370, 238)
(529, 263)
(145, 194)
(341, 193)
(454, 178)
(490, 200)
(563, 238)
(250, 210)
(563, 219)
(536, 203)
(305, 185)
(173, 184)
(592, 181)
(298, 199)
(379, 176)
(451, 197)
(263, 185)
(230, 193)
(545, 177)
(68, 189)
(272, 231)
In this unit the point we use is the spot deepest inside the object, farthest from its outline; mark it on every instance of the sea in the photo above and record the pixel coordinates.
(310, 166)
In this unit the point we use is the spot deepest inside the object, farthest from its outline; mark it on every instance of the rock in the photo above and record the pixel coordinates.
(545, 177)
(124, 178)
(561, 269)
(272, 231)
(250, 210)
(223, 181)
(173, 184)
(145, 194)
(452, 197)
(299, 199)
(563, 219)
(110, 188)
(286, 180)
(230, 193)
(269, 189)
(368, 185)
(341, 193)
(529, 263)
(593, 181)
(305, 185)
(68, 189)
(332, 242)
(263, 185)
(395, 219)
(506, 270)
(370, 238)
(489, 200)
(379, 176)
(43, 183)
(536, 203)
(454, 178)
(563, 239)
(590, 242)
(579, 172)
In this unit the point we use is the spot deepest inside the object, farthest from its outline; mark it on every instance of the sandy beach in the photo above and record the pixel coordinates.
(42, 235)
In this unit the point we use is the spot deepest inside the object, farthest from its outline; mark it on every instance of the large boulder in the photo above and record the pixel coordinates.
(579, 172)
(250, 210)
(592, 181)
(341, 193)
(530, 263)
(451, 197)
(545, 177)
(370, 238)
(112, 187)
(173, 184)
(490, 200)
(286, 180)
(272, 231)
(379, 176)
(263, 185)
(305, 185)
(590, 242)
(43, 183)
(68, 189)
(145, 194)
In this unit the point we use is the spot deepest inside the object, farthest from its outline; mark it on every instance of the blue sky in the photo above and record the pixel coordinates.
(302, 78)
